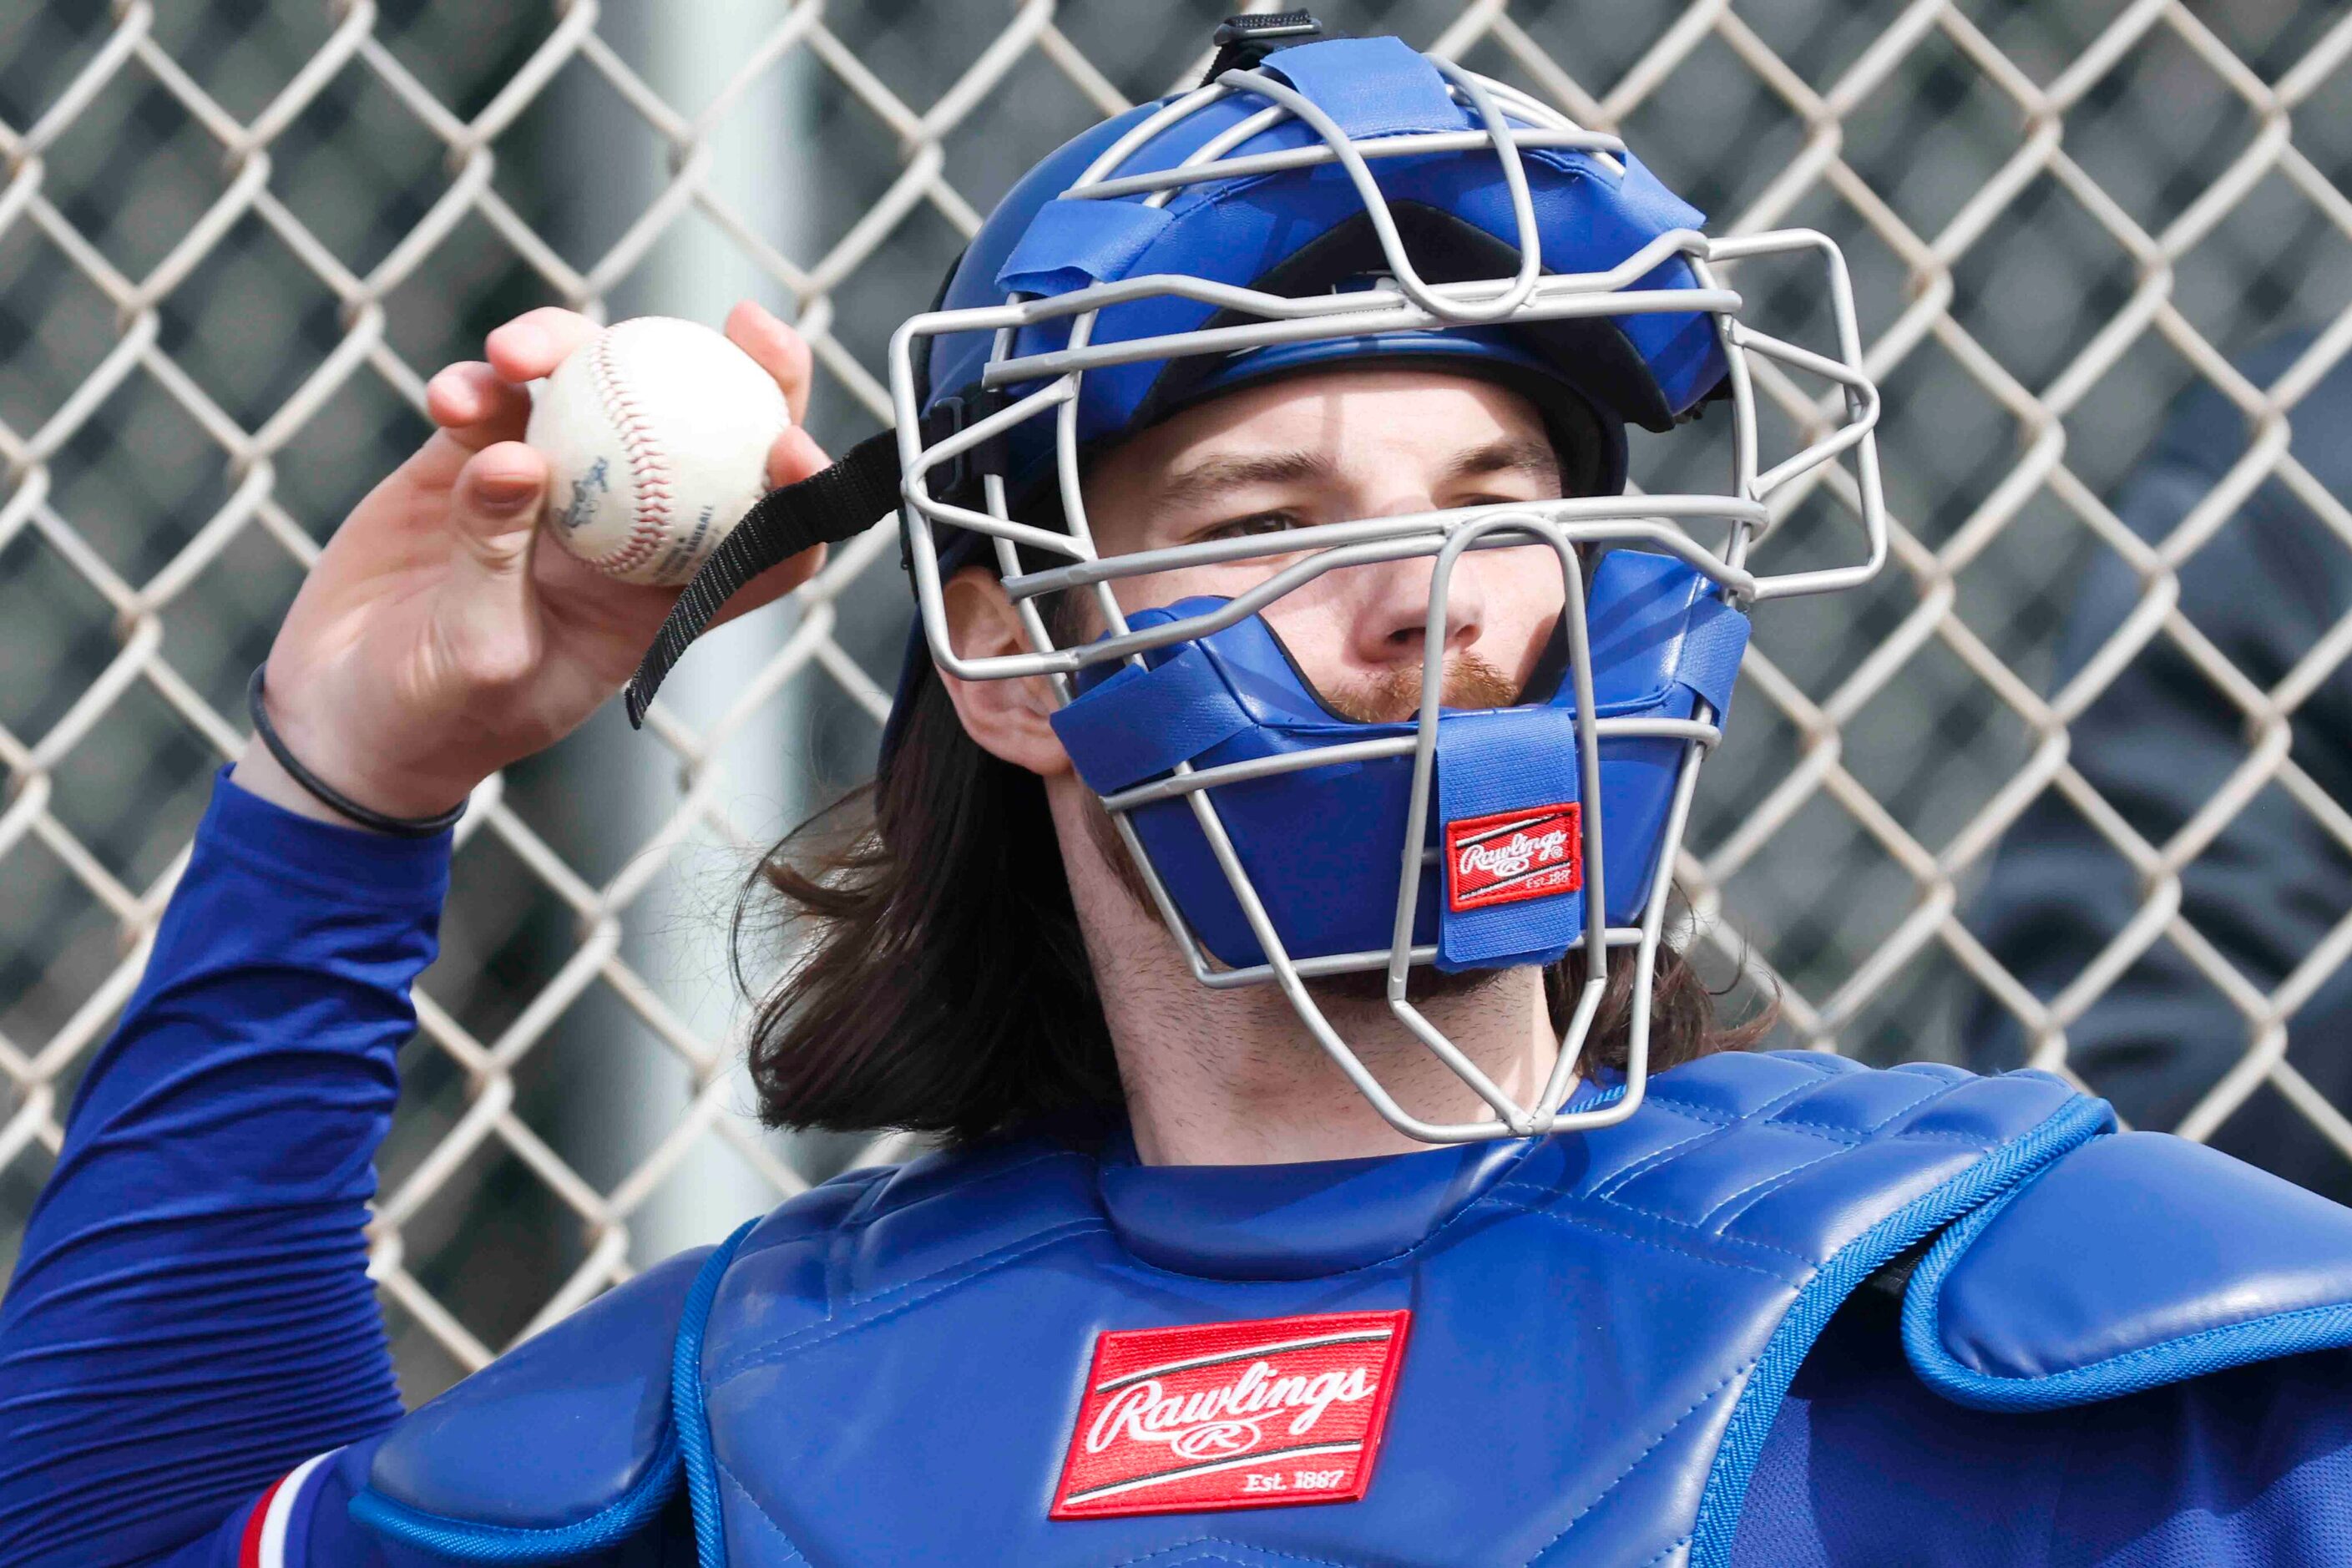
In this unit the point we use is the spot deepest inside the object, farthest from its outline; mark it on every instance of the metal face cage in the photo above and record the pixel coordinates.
(1668, 525)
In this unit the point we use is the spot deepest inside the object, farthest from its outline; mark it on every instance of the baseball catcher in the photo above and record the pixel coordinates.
(1263, 900)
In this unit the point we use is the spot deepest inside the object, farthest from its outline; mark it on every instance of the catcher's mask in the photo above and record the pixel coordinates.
(1238, 232)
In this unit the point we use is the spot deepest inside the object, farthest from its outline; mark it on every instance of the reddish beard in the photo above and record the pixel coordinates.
(1394, 696)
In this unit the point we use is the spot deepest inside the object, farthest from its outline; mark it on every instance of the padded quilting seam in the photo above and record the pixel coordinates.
(1709, 1128)
(1756, 1190)
(1706, 1112)
(1609, 1486)
(1938, 1089)
(1715, 1219)
(869, 1209)
(1716, 1126)
(827, 1235)
(1667, 1244)
(858, 1193)
(944, 1280)
(1967, 1140)
(1190, 1542)
(763, 1516)
(838, 1238)
(1714, 1238)
(1849, 1142)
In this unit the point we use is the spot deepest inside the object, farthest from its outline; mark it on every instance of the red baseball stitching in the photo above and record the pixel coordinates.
(649, 466)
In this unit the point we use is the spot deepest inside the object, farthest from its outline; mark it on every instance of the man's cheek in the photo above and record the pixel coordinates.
(1156, 589)
(1521, 618)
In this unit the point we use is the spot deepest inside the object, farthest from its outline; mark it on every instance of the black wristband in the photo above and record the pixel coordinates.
(400, 827)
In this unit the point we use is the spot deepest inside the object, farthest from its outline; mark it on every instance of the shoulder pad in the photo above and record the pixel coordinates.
(566, 1437)
(2136, 1260)
(927, 1220)
(564, 1444)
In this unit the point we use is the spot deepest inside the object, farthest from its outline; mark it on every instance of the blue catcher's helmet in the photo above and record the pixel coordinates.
(1090, 214)
(1354, 202)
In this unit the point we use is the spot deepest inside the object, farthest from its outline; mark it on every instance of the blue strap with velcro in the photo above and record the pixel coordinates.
(1525, 758)
(1713, 645)
(1372, 86)
(1139, 723)
(1075, 241)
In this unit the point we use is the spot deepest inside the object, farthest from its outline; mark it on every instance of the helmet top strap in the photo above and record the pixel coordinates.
(1244, 42)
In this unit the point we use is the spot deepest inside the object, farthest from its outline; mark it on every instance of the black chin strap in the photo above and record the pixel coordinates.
(829, 506)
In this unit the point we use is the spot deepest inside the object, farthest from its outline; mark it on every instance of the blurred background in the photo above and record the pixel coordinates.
(235, 236)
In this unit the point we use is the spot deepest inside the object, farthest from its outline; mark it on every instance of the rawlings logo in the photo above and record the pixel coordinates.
(1514, 855)
(1249, 1414)
(1224, 1419)
(1519, 854)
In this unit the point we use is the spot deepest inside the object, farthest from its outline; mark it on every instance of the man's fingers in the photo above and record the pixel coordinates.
(793, 457)
(477, 405)
(780, 351)
(535, 342)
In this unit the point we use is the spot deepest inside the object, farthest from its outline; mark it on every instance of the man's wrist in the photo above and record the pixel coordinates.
(376, 798)
(257, 773)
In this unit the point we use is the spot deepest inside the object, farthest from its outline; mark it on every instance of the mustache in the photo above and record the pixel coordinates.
(1394, 696)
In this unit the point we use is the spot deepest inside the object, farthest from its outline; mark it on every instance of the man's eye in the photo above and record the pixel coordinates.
(1256, 522)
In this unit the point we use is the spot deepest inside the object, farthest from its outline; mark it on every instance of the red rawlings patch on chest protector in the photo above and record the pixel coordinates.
(1220, 1416)
(1514, 855)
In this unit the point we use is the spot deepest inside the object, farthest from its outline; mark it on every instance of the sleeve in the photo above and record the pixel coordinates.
(2159, 744)
(191, 1315)
(304, 1521)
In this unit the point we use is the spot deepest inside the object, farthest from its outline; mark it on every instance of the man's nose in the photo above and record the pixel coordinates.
(1391, 610)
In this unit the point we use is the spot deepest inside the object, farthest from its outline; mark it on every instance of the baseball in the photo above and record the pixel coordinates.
(655, 434)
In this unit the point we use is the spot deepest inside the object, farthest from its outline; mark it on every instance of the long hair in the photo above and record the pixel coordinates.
(945, 988)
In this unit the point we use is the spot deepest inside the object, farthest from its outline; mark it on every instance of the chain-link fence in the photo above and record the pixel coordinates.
(235, 238)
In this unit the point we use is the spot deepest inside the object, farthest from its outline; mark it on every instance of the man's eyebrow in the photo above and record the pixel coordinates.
(1508, 454)
(1206, 481)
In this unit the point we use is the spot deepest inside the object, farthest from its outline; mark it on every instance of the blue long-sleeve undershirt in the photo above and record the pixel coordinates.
(191, 1316)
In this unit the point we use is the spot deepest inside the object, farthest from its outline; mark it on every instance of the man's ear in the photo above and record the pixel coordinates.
(1007, 718)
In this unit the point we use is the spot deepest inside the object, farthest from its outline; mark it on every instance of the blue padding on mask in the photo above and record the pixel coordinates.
(1075, 242)
(1487, 769)
(1321, 844)
(1712, 650)
(1372, 87)
(1140, 722)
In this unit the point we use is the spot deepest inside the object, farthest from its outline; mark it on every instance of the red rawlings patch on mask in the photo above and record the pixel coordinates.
(1514, 855)
(1220, 1416)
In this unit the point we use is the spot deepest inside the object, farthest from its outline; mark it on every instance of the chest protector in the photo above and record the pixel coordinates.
(1571, 1352)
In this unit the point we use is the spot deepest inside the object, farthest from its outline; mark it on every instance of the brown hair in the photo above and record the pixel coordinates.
(945, 988)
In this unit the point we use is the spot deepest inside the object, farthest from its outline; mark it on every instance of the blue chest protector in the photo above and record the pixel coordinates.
(888, 1369)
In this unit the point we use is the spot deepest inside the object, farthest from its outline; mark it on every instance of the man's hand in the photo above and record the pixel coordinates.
(439, 638)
